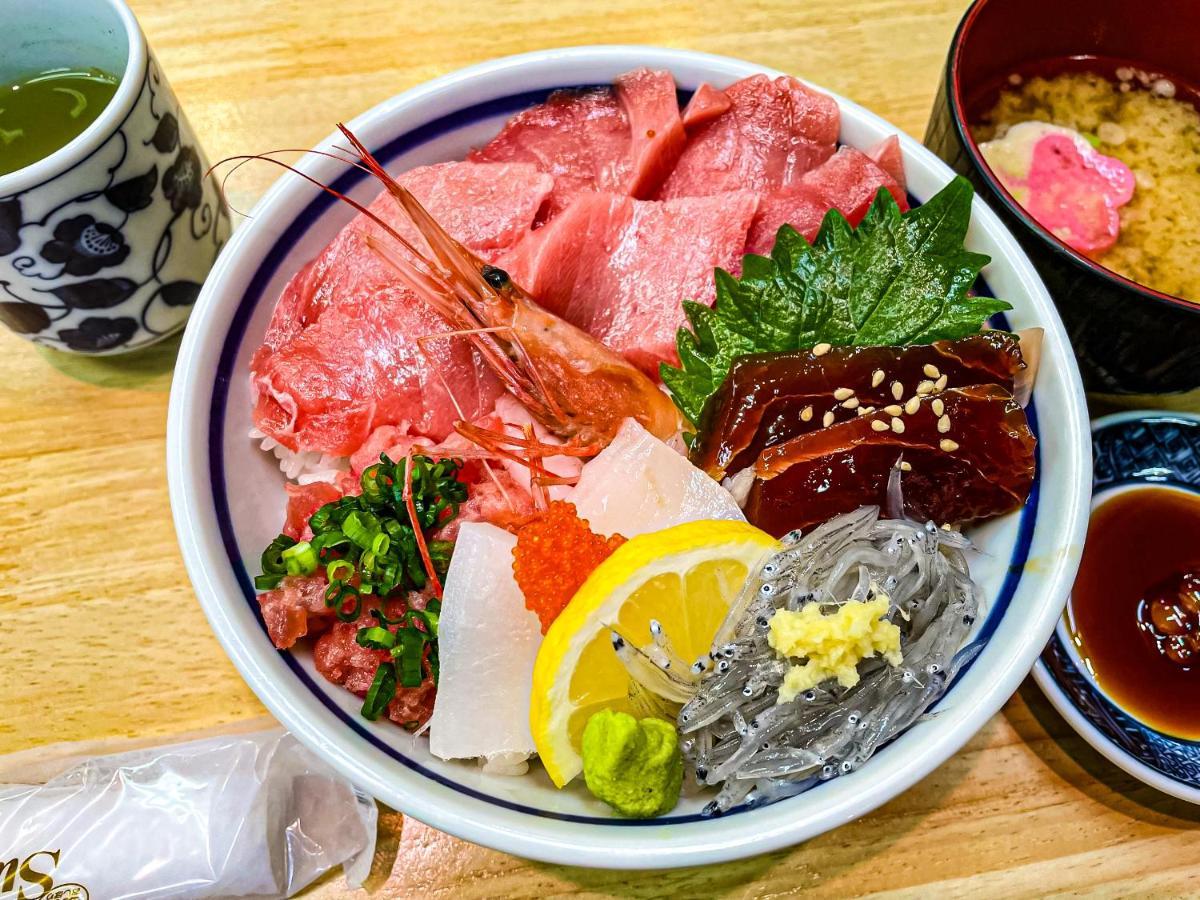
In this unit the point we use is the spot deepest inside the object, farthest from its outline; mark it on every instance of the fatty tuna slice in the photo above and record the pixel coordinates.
(623, 139)
(772, 133)
(848, 182)
(619, 268)
(889, 157)
(706, 104)
(341, 354)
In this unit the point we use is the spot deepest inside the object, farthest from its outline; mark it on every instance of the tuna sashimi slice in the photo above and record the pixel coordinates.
(849, 180)
(619, 268)
(341, 354)
(706, 104)
(772, 133)
(655, 127)
(623, 139)
(487, 643)
(800, 206)
(579, 138)
(889, 157)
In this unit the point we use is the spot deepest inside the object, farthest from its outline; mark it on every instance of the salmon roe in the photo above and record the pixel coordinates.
(556, 551)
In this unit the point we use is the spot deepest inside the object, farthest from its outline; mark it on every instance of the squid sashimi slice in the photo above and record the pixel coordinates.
(487, 642)
(973, 461)
(638, 484)
(769, 398)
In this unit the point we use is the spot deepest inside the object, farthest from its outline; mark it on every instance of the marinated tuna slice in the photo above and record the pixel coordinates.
(849, 180)
(706, 104)
(618, 268)
(773, 132)
(623, 139)
(341, 354)
(295, 609)
(971, 461)
(769, 398)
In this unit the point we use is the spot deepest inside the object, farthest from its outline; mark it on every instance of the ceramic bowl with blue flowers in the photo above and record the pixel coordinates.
(1131, 451)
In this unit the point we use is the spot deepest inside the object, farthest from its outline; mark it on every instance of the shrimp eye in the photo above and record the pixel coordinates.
(495, 276)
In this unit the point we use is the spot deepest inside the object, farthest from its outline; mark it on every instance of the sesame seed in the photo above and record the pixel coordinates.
(821, 349)
(879, 425)
(852, 403)
(905, 466)
(877, 378)
(864, 410)
(946, 526)
(843, 393)
(944, 424)
(925, 387)
(897, 425)
(940, 384)
(938, 407)
(827, 420)
(913, 404)
(931, 370)
(948, 445)
(897, 390)
(894, 410)
(806, 414)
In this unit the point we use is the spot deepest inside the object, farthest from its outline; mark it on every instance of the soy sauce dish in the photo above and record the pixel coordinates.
(352, 674)
(1124, 665)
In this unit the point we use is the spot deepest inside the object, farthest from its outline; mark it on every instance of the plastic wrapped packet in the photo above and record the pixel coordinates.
(238, 816)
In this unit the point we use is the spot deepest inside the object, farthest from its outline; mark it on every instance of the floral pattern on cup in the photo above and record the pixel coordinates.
(109, 255)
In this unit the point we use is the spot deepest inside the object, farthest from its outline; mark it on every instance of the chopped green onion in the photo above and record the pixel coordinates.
(381, 692)
(409, 655)
(361, 527)
(376, 637)
(339, 570)
(272, 558)
(381, 544)
(300, 559)
(267, 582)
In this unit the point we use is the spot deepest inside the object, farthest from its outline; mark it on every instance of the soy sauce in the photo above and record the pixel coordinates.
(1134, 613)
(45, 111)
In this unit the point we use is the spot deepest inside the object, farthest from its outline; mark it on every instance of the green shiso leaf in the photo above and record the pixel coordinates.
(898, 278)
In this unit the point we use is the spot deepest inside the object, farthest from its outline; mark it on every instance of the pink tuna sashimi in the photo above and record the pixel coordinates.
(623, 139)
(618, 268)
(706, 104)
(888, 156)
(655, 127)
(800, 206)
(773, 132)
(848, 181)
(341, 356)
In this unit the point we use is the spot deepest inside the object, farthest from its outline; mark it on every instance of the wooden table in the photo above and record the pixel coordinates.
(102, 641)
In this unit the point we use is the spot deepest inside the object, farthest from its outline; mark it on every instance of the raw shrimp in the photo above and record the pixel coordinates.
(570, 382)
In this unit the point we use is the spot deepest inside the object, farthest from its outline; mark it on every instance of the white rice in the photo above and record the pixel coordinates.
(303, 467)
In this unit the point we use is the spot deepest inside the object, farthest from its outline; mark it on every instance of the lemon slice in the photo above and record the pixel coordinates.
(685, 577)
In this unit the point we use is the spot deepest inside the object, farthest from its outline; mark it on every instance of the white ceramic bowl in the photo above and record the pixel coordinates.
(228, 499)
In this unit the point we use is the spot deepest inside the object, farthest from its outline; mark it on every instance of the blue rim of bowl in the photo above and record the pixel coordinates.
(1133, 449)
(225, 372)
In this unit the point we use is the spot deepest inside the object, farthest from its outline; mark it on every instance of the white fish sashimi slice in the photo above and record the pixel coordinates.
(638, 484)
(487, 642)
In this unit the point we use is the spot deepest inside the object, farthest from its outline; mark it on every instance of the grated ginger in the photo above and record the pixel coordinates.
(832, 644)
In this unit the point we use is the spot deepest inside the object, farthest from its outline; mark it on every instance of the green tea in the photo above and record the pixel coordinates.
(46, 111)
